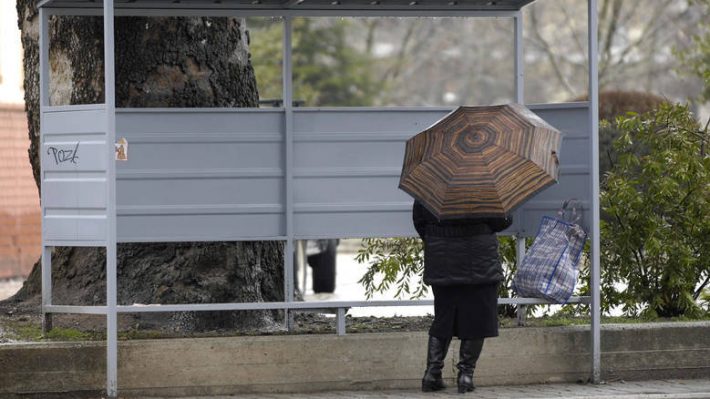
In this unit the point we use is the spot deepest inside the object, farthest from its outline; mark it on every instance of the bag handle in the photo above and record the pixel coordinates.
(570, 206)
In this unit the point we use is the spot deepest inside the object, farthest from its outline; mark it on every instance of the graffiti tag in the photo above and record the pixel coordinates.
(64, 155)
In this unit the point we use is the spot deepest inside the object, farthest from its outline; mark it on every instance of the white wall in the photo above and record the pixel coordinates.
(11, 90)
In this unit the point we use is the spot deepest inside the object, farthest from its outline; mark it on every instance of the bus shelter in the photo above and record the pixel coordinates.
(251, 174)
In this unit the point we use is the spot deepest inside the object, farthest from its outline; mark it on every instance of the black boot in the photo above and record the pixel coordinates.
(436, 352)
(468, 355)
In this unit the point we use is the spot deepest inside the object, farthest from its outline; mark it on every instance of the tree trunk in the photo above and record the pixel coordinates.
(161, 62)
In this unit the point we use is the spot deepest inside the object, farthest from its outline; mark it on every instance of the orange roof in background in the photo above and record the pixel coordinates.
(20, 225)
(18, 192)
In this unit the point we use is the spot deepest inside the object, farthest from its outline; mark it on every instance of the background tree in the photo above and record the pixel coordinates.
(161, 62)
(658, 198)
(470, 61)
(378, 61)
(635, 48)
(696, 56)
(328, 68)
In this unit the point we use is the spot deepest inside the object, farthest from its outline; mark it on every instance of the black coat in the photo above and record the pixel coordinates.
(461, 251)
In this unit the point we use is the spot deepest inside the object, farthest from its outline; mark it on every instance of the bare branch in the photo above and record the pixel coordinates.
(547, 49)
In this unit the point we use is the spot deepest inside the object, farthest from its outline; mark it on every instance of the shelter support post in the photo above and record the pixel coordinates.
(340, 328)
(111, 278)
(46, 288)
(519, 255)
(288, 167)
(519, 60)
(520, 99)
(44, 102)
(595, 278)
(302, 264)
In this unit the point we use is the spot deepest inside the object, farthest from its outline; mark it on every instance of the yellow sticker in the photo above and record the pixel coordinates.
(122, 149)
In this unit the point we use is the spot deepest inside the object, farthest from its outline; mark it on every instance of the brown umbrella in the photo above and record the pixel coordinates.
(481, 161)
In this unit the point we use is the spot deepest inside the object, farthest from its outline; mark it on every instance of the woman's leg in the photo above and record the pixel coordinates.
(436, 352)
(440, 335)
(469, 352)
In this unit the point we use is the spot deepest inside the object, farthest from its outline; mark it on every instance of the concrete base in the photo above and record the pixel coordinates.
(220, 366)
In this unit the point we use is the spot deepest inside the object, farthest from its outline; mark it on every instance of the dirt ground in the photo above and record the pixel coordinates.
(20, 323)
(8, 287)
(23, 324)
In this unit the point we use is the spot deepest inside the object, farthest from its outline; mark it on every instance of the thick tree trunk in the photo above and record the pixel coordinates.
(166, 62)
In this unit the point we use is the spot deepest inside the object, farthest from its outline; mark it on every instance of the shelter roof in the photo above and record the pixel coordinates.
(289, 6)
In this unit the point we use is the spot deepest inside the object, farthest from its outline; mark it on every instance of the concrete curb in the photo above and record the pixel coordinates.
(694, 395)
(356, 362)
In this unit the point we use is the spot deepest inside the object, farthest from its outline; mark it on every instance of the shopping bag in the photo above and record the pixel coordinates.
(549, 268)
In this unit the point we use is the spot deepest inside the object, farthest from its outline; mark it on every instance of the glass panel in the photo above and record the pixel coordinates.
(266, 49)
(402, 61)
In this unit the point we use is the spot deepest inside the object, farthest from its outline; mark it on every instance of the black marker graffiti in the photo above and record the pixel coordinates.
(61, 156)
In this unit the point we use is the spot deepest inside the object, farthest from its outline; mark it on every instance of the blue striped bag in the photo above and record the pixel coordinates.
(549, 268)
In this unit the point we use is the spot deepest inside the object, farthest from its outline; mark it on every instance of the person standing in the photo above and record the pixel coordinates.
(462, 265)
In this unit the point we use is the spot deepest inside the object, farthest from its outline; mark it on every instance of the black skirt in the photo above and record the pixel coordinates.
(465, 311)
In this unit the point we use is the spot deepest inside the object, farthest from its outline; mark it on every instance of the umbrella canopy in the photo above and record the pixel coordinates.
(481, 161)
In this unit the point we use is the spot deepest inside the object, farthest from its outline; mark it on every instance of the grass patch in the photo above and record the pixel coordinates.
(26, 331)
(68, 334)
(564, 320)
(29, 330)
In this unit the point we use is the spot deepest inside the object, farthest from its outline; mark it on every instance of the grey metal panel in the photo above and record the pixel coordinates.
(569, 121)
(575, 175)
(75, 243)
(81, 120)
(354, 224)
(172, 155)
(348, 163)
(74, 228)
(360, 191)
(76, 194)
(569, 186)
(199, 227)
(347, 166)
(74, 152)
(199, 191)
(192, 120)
(574, 152)
(200, 175)
(218, 174)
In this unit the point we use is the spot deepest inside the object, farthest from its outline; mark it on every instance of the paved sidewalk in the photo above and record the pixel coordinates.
(679, 389)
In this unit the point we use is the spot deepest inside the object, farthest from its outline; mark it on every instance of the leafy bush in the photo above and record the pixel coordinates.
(399, 262)
(655, 247)
(657, 197)
(393, 261)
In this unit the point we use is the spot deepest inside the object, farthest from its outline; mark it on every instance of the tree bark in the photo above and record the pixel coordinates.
(160, 62)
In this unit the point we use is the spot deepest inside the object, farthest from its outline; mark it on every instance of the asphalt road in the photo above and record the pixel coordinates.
(678, 389)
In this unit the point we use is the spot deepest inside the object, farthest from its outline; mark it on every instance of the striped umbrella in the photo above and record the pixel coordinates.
(481, 161)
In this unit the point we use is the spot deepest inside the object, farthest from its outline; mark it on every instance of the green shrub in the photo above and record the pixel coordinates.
(655, 248)
(657, 197)
(399, 262)
(393, 261)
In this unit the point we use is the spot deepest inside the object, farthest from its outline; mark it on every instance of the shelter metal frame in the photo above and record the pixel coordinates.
(108, 113)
